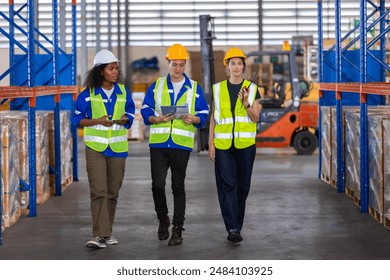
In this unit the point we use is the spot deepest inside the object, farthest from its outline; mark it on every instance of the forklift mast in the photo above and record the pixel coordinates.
(206, 45)
(296, 93)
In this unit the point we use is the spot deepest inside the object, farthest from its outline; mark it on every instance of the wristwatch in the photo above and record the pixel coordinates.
(248, 106)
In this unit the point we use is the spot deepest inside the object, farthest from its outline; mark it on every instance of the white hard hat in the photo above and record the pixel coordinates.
(104, 57)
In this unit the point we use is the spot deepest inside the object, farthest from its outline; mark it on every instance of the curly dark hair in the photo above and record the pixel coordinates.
(94, 77)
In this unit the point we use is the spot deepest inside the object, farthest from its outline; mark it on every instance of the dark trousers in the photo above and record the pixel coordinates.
(161, 160)
(233, 172)
(105, 176)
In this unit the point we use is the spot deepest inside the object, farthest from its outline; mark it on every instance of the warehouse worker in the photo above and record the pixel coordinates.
(232, 140)
(171, 138)
(106, 110)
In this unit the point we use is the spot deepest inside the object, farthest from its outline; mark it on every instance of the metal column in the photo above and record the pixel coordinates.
(31, 111)
(74, 82)
(363, 110)
(206, 44)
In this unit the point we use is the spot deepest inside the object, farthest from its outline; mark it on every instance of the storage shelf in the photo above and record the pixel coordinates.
(52, 85)
(366, 22)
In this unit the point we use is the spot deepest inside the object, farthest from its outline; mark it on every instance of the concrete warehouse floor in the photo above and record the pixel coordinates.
(291, 215)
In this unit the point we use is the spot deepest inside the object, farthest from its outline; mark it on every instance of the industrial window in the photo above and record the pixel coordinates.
(161, 23)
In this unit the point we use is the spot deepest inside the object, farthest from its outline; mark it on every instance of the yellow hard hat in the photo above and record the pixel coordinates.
(233, 52)
(177, 51)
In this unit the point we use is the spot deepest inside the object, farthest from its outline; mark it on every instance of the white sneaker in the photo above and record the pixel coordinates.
(111, 240)
(97, 243)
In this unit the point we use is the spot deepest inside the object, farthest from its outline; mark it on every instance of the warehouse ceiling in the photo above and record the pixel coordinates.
(161, 23)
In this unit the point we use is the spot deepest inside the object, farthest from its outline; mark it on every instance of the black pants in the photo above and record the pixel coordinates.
(233, 173)
(161, 160)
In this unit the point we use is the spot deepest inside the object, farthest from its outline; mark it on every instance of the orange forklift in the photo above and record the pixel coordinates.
(286, 118)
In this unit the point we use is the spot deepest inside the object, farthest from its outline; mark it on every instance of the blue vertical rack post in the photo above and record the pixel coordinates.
(57, 127)
(339, 107)
(31, 111)
(74, 82)
(363, 110)
(368, 91)
(320, 78)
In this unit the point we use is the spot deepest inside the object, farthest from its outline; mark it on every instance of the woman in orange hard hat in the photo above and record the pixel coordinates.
(232, 140)
(172, 137)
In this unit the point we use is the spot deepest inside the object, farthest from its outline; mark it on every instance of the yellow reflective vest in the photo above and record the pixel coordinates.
(242, 129)
(182, 134)
(99, 137)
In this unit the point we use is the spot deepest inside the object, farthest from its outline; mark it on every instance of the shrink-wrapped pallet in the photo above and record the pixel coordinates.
(42, 152)
(137, 130)
(10, 173)
(20, 118)
(352, 155)
(66, 144)
(42, 155)
(2, 226)
(326, 155)
(375, 164)
(333, 166)
(386, 173)
(352, 150)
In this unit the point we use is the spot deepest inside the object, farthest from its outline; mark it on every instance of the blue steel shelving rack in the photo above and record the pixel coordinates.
(364, 88)
(31, 91)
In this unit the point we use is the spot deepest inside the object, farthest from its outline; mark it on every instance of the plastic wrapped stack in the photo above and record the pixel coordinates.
(386, 173)
(352, 156)
(333, 165)
(137, 130)
(326, 155)
(15, 160)
(10, 173)
(376, 152)
(66, 144)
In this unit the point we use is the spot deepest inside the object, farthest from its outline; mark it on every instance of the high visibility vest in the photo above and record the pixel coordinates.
(182, 134)
(243, 128)
(99, 137)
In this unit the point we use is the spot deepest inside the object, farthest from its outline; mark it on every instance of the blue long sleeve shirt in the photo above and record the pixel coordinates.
(201, 109)
(83, 110)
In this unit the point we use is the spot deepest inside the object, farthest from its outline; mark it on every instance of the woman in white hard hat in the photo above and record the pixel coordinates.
(105, 109)
(232, 140)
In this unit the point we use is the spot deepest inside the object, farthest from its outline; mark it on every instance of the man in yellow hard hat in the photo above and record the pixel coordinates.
(172, 137)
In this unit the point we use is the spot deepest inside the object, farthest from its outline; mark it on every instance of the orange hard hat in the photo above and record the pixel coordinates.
(177, 51)
(233, 52)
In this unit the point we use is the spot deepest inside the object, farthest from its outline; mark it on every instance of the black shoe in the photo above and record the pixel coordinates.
(176, 238)
(234, 236)
(163, 228)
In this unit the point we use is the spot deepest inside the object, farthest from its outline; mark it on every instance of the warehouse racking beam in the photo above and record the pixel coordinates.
(363, 88)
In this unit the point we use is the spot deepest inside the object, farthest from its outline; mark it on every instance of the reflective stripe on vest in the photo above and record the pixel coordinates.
(182, 134)
(244, 133)
(99, 137)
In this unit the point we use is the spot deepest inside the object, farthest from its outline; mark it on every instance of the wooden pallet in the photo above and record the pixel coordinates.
(333, 183)
(67, 181)
(325, 178)
(64, 185)
(356, 200)
(378, 216)
(386, 222)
